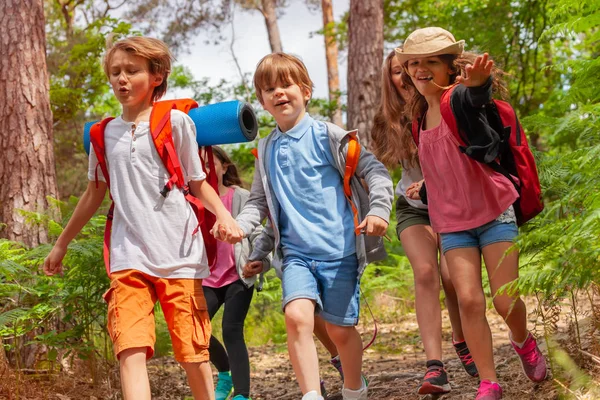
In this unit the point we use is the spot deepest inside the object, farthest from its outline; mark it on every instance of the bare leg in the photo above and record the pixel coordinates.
(421, 247)
(134, 375)
(299, 322)
(321, 334)
(451, 301)
(348, 342)
(503, 269)
(465, 271)
(199, 377)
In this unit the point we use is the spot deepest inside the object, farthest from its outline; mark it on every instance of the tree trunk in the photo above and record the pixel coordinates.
(331, 54)
(269, 12)
(365, 58)
(27, 171)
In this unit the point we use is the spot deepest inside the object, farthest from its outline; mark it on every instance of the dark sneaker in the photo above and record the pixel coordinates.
(465, 357)
(435, 380)
(335, 361)
(489, 391)
(323, 389)
(532, 359)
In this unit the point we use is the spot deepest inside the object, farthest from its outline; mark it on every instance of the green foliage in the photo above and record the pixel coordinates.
(61, 312)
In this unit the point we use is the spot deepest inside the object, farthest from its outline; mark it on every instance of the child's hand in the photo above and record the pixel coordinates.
(252, 268)
(373, 226)
(478, 73)
(53, 263)
(412, 192)
(227, 230)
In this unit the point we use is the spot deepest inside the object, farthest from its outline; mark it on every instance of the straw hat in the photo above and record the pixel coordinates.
(428, 42)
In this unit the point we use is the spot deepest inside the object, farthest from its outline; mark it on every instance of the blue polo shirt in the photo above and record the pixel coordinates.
(315, 218)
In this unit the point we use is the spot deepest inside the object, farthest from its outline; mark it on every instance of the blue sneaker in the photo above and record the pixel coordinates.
(241, 397)
(224, 386)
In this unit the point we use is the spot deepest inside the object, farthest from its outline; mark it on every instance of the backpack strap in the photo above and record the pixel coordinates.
(448, 114)
(97, 141)
(162, 136)
(352, 158)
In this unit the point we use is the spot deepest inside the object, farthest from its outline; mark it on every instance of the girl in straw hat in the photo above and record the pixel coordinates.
(393, 145)
(470, 205)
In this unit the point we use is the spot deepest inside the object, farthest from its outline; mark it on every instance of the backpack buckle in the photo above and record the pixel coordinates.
(165, 190)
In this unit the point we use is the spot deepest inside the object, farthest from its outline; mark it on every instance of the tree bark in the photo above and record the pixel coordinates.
(27, 171)
(331, 55)
(365, 58)
(269, 12)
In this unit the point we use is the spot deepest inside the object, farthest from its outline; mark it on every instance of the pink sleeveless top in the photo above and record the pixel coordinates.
(225, 271)
(462, 193)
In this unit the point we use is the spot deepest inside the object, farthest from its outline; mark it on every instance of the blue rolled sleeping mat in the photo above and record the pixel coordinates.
(220, 123)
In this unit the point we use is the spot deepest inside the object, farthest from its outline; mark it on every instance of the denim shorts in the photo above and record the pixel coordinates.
(492, 232)
(333, 285)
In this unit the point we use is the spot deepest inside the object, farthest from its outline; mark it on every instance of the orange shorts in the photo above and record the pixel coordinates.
(131, 298)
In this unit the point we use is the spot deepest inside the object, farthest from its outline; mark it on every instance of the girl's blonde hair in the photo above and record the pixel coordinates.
(392, 139)
(283, 68)
(417, 105)
(231, 176)
(155, 51)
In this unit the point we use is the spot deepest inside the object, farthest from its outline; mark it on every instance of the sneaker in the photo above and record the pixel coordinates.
(323, 389)
(489, 391)
(435, 380)
(312, 395)
(532, 359)
(224, 386)
(465, 357)
(360, 394)
(335, 361)
(241, 397)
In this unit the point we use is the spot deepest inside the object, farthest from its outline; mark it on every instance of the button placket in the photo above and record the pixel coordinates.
(283, 152)
(133, 139)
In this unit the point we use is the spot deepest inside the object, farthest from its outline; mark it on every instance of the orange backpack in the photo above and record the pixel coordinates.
(162, 136)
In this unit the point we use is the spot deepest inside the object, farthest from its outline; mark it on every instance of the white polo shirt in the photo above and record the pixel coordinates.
(150, 233)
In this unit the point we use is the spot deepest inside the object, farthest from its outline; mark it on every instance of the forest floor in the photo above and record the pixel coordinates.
(394, 366)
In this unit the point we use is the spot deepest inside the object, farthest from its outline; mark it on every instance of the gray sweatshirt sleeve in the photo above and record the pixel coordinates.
(256, 208)
(379, 182)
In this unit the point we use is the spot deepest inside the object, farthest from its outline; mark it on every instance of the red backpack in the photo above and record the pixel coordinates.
(515, 158)
(162, 136)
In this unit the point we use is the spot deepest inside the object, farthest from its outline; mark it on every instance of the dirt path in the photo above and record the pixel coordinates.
(394, 367)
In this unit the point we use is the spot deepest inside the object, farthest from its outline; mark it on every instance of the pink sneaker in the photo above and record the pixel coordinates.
(489, 391)
(532, 359)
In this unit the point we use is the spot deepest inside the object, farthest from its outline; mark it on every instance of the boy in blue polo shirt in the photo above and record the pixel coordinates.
(298, 183)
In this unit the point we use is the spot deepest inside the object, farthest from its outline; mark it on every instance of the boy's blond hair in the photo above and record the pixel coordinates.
(281, 67)
(155, 51)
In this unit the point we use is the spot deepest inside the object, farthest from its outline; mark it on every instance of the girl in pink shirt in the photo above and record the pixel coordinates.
(230, 286)
(393, 145)
(470, 205)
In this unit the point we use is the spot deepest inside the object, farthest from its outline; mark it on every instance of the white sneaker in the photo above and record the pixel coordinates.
(360, 394)
(313, 395)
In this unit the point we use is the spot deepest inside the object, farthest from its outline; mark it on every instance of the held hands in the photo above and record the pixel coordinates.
(53, 263)
(373, 226)
(226, 229)
(412, 192)
(478, 73)
(252, 268)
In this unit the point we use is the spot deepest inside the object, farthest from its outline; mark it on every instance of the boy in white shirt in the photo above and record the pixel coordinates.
(153, 253)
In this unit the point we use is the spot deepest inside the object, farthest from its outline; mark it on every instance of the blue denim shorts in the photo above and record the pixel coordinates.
(333, 285)
(492, 232)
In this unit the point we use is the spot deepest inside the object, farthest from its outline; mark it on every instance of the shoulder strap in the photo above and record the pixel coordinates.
(97, 140)
(162, 136)
(352, 158)
(448, 114)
